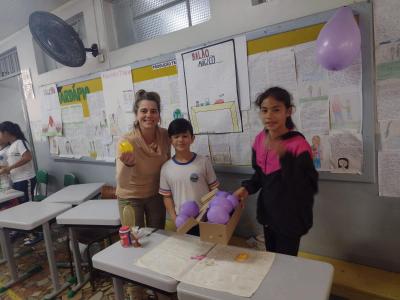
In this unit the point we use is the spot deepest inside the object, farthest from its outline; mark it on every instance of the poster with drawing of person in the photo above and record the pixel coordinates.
(346, 152)
(320, 150)
(346, 111)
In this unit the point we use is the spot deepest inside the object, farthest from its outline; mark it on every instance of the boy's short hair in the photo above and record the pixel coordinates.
(179, 126)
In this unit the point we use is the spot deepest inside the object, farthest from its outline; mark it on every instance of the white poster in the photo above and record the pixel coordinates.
(346, 153)
(389, 173)
(115, 83)
(211, 87)
(51, 112)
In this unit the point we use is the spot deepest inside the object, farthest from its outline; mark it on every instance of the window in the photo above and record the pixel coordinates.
(9, 64)
(44, 62)
(139, 20)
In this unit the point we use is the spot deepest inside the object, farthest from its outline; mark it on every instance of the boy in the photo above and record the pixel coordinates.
(187, 176)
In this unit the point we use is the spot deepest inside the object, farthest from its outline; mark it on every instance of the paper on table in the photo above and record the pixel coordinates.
(174, 256)
(220, 271)
(389, 173)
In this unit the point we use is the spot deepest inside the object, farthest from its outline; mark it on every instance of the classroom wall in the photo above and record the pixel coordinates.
(351, 222)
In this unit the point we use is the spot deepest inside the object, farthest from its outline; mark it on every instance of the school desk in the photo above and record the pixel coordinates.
(289, 278)
(9, 195)
(28, 216)
(75, 194)
(98, 214)
(119, 262)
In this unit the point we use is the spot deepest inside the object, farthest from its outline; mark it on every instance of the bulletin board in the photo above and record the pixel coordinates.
(160, 74)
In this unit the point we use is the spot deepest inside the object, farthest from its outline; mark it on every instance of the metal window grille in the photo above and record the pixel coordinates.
(9, 64)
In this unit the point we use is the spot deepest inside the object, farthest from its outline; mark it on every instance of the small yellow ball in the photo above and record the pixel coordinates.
(125, 147)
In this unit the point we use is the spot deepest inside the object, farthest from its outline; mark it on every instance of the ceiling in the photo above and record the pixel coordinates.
(14, 14)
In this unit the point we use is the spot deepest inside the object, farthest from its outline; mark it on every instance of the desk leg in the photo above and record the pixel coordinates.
(118, 288)
(82, 280)
(76, 254)
(8, 253)
(50, 256)
(57, 289)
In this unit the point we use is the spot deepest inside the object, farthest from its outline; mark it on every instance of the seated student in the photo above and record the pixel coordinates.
(187, 176)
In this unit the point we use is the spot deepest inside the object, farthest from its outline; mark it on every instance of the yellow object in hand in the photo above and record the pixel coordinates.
(125, 147)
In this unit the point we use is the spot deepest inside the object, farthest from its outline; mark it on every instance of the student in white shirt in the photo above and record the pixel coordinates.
(186, 176)
(4, 178)
(20, 165)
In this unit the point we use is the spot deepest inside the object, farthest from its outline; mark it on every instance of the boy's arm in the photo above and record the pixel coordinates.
(170, 207)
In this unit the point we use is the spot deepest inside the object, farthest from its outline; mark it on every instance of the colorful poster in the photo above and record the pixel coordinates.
(211, 88)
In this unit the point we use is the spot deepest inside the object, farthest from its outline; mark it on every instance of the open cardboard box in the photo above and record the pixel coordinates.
(214, 233)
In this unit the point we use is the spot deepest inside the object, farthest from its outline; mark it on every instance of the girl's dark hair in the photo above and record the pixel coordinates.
(143, 95)
(281, 95)
(12, 129)
(345, 160)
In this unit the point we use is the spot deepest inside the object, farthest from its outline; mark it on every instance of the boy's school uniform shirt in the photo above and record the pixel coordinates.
(187, 181)
(14, 154)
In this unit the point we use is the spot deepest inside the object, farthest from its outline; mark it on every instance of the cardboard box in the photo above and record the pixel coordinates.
(220, 233)
(214, 233)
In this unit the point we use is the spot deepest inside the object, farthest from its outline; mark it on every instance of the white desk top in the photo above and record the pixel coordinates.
(92, 212)
(120, 261)
(9, 195)
(75, 194)
(289, 278)
(30, 215)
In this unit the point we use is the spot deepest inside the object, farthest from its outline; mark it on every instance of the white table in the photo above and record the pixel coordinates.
(75, 194)
(28, 216)
(9, 195)
(289, 278)
(120, 263)
(93, 213)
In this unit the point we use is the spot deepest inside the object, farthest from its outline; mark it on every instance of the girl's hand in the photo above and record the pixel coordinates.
(241, 193)
(128, 159)
(277, 146)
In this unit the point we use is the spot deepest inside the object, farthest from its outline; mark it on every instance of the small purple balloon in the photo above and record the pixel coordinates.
(221, 194)
(233, 200)
(180, 220)
(217, 215)
(223, 202)
(190, 209)
(339, 42)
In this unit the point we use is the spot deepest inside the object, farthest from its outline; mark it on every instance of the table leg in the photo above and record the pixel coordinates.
(6, 247)
(81, 280)
(50, 256)
(118, 288)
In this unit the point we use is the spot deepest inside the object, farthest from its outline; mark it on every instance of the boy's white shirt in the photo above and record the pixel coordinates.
(187, 181)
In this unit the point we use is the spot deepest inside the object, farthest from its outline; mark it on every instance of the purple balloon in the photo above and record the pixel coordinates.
(180, 220)
(221, 194)
(233, 200)
(339, 41)
(190, 209)
(217, 215)
(223, 202)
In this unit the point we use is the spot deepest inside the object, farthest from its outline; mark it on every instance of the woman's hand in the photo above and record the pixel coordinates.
(128, 159)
